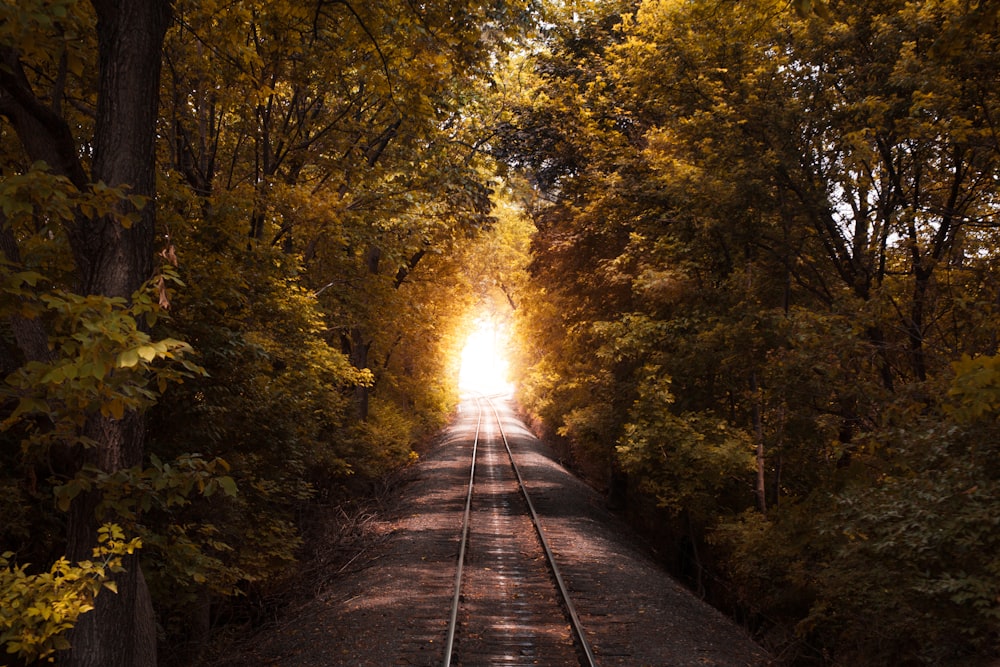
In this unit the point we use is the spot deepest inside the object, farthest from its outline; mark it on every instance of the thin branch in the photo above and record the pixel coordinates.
(371, 37)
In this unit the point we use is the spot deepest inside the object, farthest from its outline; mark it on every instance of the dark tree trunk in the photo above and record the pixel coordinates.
(121, 630)
(359, 348)
(114, 260)
(111, 260)
(760, 490)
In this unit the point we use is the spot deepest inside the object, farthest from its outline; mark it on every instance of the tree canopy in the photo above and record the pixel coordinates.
(764, 272)
(749, 250)
(232, 291)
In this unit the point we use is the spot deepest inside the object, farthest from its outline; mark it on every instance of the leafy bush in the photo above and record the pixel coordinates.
(37, 609)
(896, 565)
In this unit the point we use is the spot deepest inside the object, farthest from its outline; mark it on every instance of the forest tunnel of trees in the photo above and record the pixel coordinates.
(747, 251)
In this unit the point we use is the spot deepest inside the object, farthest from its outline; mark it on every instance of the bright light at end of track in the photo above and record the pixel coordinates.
(484, 368)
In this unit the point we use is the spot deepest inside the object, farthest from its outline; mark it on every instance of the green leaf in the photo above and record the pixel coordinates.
(228, 485)
(56, 375)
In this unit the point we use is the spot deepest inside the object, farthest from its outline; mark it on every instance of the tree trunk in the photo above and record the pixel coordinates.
(113, 260)
(760, 489)
(359, 348)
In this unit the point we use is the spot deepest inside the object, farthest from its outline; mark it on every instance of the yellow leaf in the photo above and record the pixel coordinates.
(128, 359)
(116, 408)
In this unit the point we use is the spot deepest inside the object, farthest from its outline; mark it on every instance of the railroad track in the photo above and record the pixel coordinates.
(394, 609)
(510, 604)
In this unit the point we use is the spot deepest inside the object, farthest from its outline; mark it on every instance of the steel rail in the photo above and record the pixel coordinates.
(456, 598)
(577, 625)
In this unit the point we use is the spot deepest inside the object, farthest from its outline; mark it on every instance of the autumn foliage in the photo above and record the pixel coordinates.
(256, 317)
(240, 241)
(766, 305)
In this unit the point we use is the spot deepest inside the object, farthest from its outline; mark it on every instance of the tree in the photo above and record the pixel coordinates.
(321, 168)
(347, 126)
(763, 235)
(112, 254)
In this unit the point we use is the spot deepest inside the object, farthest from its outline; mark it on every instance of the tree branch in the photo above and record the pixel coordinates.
(43, 133)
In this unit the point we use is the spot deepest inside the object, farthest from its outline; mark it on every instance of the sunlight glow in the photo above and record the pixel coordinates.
(484, 367)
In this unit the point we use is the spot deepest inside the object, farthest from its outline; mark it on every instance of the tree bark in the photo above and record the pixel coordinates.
(43, 133)
(760, 490)
(114, 260)
(359, 348)
(111, 259)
